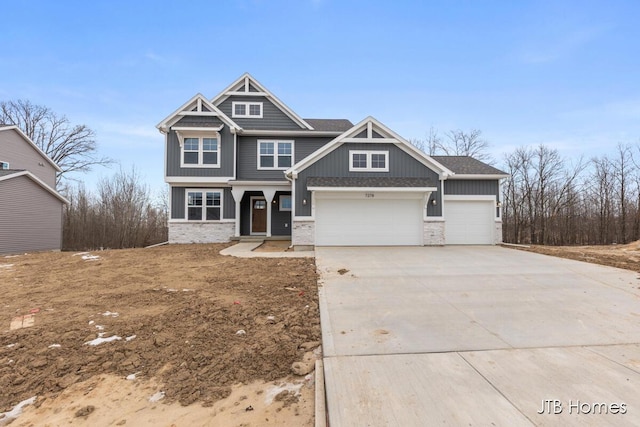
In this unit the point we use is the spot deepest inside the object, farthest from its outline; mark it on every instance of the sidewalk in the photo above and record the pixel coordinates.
(246, 250)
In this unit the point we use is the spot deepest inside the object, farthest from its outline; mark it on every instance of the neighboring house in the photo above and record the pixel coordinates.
(244, 164)
(30, 206)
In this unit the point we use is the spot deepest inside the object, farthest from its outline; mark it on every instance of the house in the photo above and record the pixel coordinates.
(31, 208)
(245, 164)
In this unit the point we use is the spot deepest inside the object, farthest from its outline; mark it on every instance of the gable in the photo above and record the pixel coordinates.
(196, 112)
(10, 177)
(21, 153)
(248, 89)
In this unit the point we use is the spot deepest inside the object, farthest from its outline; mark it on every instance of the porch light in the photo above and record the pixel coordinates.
(304, 202)
(434, 202)
(499, 204)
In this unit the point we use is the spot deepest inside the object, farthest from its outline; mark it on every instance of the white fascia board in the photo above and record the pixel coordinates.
(229, 90)
(33, 144)
(164, 125)
(301, 132)
(37, 181)
(197, 129)
(479, 176)
(261, 183)
(374, 189)
(198, 180)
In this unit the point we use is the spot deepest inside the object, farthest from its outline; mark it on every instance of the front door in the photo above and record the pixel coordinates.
(258, 215)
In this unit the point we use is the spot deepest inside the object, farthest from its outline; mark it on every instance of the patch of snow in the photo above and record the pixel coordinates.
(6, 265)
(172, 290)
(156, 397)
(101, 340)
(7, 418)
(109, 313)
(80, 253)
(130, 338)
(241, 332)
(11, 345)
(188, 290)
(91, 322)
(90, 257)
(55, 346)
(273, 391)
(12, 256)
(101, 334)
(100, 327)
(132, 377)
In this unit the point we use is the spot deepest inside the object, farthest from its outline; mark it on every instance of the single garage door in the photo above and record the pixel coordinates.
(469, 222)
(381, 220)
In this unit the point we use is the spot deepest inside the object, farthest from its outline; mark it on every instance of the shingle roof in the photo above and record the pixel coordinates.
(330, 125)
(466, 165)
(368, 182)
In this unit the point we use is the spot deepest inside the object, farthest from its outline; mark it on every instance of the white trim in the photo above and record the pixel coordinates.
(247, 106)
(301, 132)
(197, 129)
(303, 218)
(251, 232)
(198, 180)
(480, 176)
(380, 129)
(373, 189)
(201, 151)
(245, 79)
(33, 145)
(37, 181)
(280, 208)
(204, 192)
(258, 183)
(276, 156)
(369, 154)
(198, 101)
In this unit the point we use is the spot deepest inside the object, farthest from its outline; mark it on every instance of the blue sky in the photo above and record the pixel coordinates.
(566, 74)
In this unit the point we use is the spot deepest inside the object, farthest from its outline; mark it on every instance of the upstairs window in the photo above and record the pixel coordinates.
(368, 161)
(246, 110)
(201, 152)
(204, 205)
(275, 154)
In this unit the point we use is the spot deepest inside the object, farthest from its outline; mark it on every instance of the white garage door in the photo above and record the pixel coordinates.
(375, 221)
(469, 222)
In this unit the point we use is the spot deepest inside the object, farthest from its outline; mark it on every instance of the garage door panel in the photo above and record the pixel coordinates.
(469, 222)
(368, 222)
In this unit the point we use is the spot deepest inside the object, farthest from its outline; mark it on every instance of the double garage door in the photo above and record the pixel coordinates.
(396, 219)
(373, 219)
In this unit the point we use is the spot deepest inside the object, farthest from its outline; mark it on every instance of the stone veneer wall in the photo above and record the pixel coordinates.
(433, 233)
(303, 233)
(201, 232)
(497, 238)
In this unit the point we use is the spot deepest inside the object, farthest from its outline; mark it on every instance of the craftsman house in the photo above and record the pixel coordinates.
(245, 164)
(30, 206)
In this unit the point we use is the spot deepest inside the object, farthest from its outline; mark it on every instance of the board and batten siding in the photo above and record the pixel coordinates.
(226, 156)
(21, 155)
(272, 117)
(30, 217)
(248, 155)
(468, 187)
(178, 202)
(336, 164)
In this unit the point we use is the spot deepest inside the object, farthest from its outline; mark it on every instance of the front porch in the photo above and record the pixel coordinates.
(262, 210)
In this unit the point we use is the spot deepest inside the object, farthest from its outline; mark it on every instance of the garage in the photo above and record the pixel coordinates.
(469, 222)
(369, 218)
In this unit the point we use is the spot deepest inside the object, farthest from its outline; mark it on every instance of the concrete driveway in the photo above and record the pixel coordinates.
(477, 336)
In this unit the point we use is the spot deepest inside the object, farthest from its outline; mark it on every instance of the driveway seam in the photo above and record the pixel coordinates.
(610, 359)
(496, 389)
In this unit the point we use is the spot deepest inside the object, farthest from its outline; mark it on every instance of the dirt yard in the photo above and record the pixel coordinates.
(620, 256)
(184, 324)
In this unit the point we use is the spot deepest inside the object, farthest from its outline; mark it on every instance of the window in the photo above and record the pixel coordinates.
(368, 161)
(285, 202)
(204, 205)
(4, 165)
(275, 154)
(201, 152)
(246, 110)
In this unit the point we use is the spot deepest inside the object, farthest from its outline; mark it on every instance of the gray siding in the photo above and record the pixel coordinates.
(336, 164)
(178, 202)
(248, 155)
(30, 218)
(472, 187)
(280, 221)
(21, 155)
(272, 116)
(226, 159)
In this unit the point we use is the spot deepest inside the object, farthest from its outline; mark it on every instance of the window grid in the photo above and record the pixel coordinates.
(275, 154)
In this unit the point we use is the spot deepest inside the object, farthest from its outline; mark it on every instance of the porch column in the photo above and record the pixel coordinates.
(268, 195)
(237, 197)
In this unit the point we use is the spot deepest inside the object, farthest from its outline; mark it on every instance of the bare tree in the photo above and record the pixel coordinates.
(461, 143)
(72, 147)
(428, 145)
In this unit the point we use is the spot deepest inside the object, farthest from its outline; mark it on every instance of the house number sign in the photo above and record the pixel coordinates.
(369, 195)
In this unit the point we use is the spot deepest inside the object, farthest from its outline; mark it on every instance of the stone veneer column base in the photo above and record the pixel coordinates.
(201, 232)
(433, 233)
(497, 237)
(303, 234)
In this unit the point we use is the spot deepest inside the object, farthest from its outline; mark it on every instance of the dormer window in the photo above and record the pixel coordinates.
(368, 161)
(246, 110)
